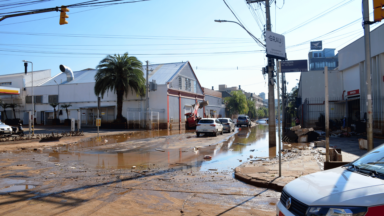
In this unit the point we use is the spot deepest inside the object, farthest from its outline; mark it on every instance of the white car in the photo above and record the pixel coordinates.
(209, 126)
(5, 130)
(228, 124)
(356, 189)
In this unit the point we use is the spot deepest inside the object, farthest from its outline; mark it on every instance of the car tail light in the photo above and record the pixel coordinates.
(226, 123)
(213, 125)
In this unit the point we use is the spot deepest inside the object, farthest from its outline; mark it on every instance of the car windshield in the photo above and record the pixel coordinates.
(223, 120)
(372, 161)
(208, 121)
(242, 117)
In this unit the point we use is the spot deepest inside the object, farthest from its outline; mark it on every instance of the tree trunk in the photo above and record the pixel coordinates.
(119, 116)
(5, 113)
(54, 113)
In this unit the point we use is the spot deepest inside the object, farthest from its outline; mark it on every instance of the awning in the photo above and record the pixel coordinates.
(91, 107)
(9, 91)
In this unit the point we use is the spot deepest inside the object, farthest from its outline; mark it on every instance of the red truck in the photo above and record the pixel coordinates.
(192, 118)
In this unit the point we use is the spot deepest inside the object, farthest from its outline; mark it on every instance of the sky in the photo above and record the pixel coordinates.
(165, 31)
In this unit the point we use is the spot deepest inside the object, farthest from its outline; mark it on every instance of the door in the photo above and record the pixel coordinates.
(42, 118)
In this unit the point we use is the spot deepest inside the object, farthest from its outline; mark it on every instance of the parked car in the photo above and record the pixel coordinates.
(209, 126)
(243, 120)
(262, 121)
(356, 189)
(228, 124)
(5, 130)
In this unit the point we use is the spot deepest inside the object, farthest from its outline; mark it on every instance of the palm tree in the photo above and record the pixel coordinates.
(5, 106)
(54, 105)
(120, 74)
(65, 106)
(13, 106)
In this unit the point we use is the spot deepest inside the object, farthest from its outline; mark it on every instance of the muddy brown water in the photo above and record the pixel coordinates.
(246, 144)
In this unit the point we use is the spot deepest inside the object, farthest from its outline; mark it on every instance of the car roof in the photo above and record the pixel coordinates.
(208, 119)
(223, 118)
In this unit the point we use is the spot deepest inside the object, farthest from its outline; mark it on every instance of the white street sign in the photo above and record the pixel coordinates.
(275, 45)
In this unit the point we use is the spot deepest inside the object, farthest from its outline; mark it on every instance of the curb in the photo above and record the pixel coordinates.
(259, 182)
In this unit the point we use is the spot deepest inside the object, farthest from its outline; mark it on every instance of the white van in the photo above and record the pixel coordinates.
(356, 189)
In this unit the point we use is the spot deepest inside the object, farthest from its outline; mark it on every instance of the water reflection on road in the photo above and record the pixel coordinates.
(247, 144)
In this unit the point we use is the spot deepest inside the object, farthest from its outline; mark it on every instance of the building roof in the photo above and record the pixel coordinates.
(162, 73)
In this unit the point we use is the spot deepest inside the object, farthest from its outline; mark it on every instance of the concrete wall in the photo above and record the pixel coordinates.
(354, 53)
(312, 85)
(351, 79)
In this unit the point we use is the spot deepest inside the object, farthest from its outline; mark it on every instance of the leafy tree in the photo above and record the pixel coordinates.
(260, 113)
(5, 106)
(54, 105)
(291, 102)
(251, 108)
(237, 103)
(65, 106)
(13, 106)
(121, 74)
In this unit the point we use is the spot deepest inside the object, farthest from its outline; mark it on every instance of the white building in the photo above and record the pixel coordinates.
(177, 90)
(347, 84)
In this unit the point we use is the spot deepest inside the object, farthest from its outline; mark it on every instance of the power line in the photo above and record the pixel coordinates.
(337, 6)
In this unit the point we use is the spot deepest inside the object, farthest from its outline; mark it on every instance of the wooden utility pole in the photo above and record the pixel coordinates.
(326, 115)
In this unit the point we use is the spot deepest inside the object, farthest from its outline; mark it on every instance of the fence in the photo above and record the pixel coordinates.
(312, 112)
(139, 119)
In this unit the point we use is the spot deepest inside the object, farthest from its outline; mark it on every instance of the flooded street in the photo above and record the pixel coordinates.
(137, 174)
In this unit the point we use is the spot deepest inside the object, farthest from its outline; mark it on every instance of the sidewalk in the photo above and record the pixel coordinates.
(266, 173)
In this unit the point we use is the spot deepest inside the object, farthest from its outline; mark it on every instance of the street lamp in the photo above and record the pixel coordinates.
(253, 37)
(33, 104)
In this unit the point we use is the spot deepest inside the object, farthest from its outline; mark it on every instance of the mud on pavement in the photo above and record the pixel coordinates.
(98, 177)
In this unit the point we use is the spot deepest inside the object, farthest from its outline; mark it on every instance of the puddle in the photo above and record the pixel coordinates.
(12, 185)
(247, 144)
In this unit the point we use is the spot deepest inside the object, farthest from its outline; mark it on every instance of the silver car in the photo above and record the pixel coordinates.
(228, 124)
(5, 130)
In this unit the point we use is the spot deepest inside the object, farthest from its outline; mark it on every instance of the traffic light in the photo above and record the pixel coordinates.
(378, 10)
(63, 15)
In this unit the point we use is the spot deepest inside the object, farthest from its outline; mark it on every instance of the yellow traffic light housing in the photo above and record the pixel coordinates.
(63, 15)
(378, 10)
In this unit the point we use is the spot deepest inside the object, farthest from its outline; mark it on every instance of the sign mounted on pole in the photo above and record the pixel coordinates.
(294, 66)
(275, 45)
(316, 45)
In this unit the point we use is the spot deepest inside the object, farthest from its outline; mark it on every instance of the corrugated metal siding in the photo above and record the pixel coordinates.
(164, 73)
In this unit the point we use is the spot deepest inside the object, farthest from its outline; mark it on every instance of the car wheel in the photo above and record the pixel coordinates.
(197, 134)
(215, 134)
(222, 131)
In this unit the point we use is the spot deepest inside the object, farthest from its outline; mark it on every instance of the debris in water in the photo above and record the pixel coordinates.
(240, 144)
(207, 157)
(212, 169)
(162, 150)
(252, 150)
(105, 141)
(251, 156)
(240, 160)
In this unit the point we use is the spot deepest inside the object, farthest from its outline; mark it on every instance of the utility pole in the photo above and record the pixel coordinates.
(368, 71)
(146, 98)
(271, 90)
(283, 101)
(326, 115)
(278, 112)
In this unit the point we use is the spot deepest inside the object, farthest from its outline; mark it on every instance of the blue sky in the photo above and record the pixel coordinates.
(163, 31)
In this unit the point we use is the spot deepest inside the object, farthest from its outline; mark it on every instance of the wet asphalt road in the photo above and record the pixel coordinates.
(96, 177)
